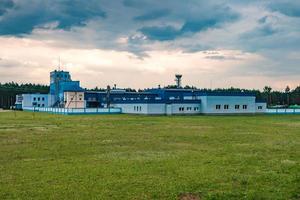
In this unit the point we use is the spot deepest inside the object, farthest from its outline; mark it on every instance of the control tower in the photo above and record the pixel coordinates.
(61, 81)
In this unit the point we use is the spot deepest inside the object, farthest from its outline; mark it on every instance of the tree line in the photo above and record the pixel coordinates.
(8, 92)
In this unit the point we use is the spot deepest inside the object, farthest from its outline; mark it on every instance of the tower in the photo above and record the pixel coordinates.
(178, 80)
(56, 79)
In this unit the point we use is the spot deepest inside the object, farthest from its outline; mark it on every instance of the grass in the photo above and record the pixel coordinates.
(45, 156)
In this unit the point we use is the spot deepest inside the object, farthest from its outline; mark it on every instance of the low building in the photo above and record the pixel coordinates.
(67, 94)
(32, 100)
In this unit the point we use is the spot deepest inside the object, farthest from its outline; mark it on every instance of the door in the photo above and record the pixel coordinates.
(169, 109)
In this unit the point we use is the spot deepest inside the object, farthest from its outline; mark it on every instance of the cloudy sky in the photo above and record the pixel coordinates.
(143, 43)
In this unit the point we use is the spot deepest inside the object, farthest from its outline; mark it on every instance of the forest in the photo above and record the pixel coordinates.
(8, 92)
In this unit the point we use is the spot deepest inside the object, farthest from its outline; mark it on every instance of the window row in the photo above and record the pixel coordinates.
(137, 108)
(38, 105)
(226, 107)
(39, 98)
(189, 108)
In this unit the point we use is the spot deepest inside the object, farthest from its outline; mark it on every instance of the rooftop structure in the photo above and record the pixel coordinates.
(178, 80)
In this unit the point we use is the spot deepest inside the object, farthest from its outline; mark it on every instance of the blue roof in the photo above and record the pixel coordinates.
(197, 92)
(156, 101)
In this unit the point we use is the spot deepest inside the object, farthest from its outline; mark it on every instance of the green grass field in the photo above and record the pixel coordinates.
(45, 156)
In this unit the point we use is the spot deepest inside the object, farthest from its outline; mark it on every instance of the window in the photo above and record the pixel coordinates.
(134, 108)
(39, 105)
(260, 107)
(34, 99)
(226, 107)
(43, 105)
(80, 99)
(39, 98)
(43, 98)
(140, 108)
(245, 107)
(218, 107)
(237, 107)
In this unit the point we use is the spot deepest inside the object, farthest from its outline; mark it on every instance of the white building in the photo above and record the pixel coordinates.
(33, 100)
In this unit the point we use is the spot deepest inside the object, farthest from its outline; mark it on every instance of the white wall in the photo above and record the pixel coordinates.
(74, 99)
(156, 109)
(159, 109)
(186, 108)
(129, 108)
(208, 104)
(35, 100)
(262, 105)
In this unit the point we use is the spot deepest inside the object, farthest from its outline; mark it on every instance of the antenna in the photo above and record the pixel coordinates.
(59, 63)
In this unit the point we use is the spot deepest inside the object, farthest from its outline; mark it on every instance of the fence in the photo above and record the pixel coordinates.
(283, 111)
(75, 111)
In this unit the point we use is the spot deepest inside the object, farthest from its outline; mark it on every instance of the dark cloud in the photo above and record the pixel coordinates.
(133, 3)
(259, 32)
(153, 15)
(5, 5)
(161, 33)
(26, 15)
(193, 24)
(289, 8)
(139, 26)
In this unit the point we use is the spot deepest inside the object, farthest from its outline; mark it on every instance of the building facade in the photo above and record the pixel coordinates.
(65, 93)
(33, 100)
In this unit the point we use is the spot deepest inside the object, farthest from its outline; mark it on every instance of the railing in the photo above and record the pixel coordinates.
(74, 111)
(283, 111)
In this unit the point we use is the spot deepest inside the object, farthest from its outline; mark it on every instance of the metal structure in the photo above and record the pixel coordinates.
(178, 80)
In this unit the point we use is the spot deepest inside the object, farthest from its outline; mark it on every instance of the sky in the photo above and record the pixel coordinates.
(144, 43)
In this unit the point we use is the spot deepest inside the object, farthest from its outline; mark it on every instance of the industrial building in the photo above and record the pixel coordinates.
(67, 94)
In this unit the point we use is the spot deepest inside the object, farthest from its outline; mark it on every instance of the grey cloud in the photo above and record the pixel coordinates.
(153, 15)
(5, 5)
(192, 23)
(26, 15)
(221, 57)
(289, 8)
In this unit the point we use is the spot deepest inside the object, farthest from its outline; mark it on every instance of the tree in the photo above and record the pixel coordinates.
(287, 92)
(267, 90)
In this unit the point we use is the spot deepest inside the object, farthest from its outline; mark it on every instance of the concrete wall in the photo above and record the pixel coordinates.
(209, 103)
